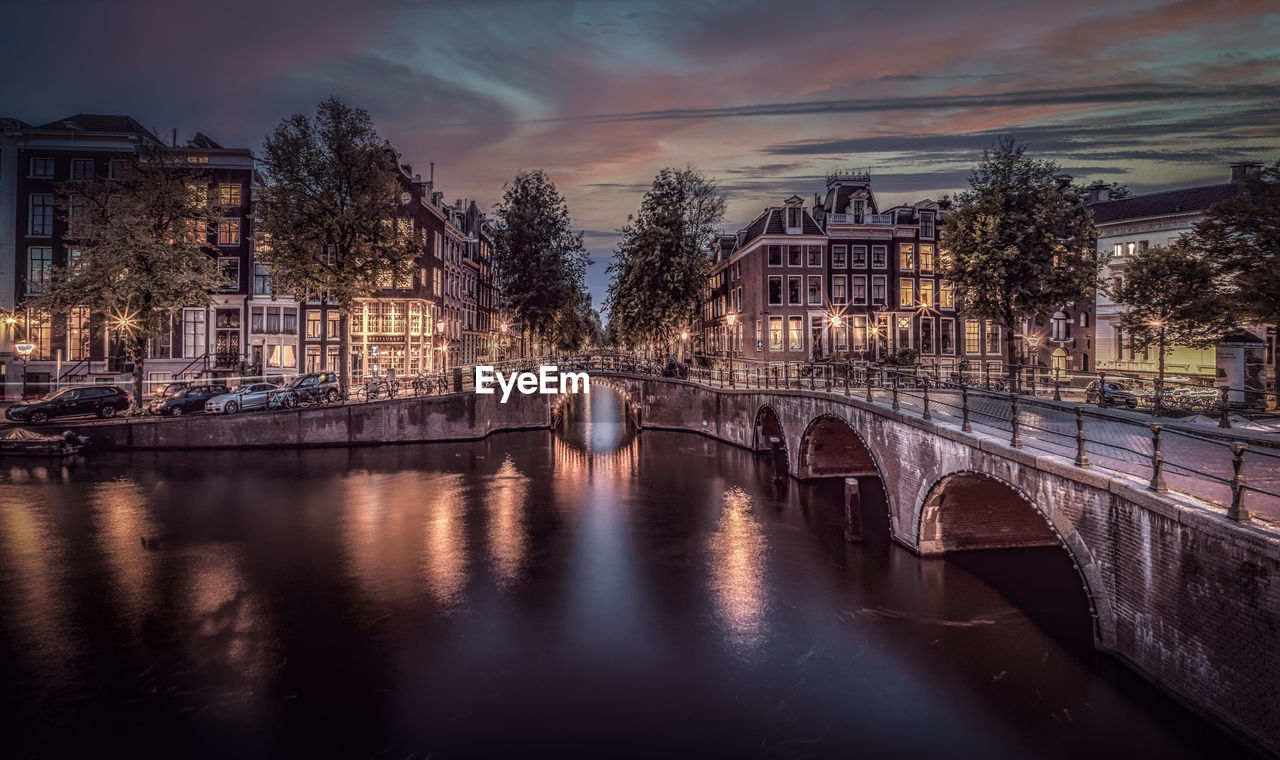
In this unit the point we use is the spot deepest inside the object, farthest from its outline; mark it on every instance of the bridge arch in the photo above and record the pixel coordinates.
(768, 424)
(968, 510)
(831, 447)
(629, 405)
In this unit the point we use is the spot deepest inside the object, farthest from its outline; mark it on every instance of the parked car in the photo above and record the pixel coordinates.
(253, 396)
(305, 389)
(101, 400)
(187, 401)
(172, 389)
(1114, 392)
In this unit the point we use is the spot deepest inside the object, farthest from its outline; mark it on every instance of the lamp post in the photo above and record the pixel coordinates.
(733, 320)
(24, 353)
(1160, 371)
(1032, 342)
(684, 340)
(874, 331)
(1058, 325)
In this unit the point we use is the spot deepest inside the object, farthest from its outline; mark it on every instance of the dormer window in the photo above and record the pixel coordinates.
(859, 208)
(793, 217)
(926, 225)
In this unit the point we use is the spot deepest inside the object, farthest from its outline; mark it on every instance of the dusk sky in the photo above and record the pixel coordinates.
(764, 97)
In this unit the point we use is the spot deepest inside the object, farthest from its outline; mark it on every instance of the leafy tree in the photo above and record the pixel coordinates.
(1018, 244)
(326, 212)
(539, 262)
(1243, 236)
(1174, 296)
(660, 264)
(144, 249)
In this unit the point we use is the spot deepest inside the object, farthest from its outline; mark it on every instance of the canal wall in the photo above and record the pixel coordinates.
(453, 417)
(1187, 598)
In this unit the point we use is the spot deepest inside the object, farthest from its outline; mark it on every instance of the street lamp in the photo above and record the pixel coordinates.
(24, 353)
(1160, 373)
(1032, 342)
(874, 330)
(684, 341)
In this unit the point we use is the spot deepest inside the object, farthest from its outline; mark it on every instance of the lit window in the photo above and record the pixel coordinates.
(906, 294)
(926, 258)
(946, 298)
(795, 333)
(839, 256)
(775, 333)
(906, 256)
(971, 344)
(230, 269)
(229, 232)
(229, 195)
(926, 292)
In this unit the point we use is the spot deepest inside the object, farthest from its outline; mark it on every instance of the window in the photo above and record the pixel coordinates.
(313, 326)
(39, 268)
(795, 256)
(42, 168)
(859, 333)
(879, 256)
(906, 256)
(229, 266)
(859, 291)
(1131, 248)
(926, 293)
(116, 168)
(775, 333)
(197, 231)
(926, 258)
(878, 287)
(926, 227)
(313, 359)
(775, 255)
(289, 321)
(229, 232)
(1142, 246)
(40, 219)
(839, 256)
(1117, 250)
(838, 290)
(793, 216)
(946, 338)
(333, 324)
(229, 195)
(926, 335)
(82, 168)
(859, 257)
(73, 260)
(793, 291)
(815, 290)
(841, 335)
(1083, 319)
(904, 332)
(795, 333)
(993, 338)
(906, 293)
(971, 343)
(737, 299)
(946, 298)
(815, 255)
(193, 341)
(261, 280)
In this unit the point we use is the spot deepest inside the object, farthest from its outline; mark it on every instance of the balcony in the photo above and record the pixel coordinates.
(866, 219)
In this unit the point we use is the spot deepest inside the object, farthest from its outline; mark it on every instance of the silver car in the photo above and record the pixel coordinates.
(253, 396)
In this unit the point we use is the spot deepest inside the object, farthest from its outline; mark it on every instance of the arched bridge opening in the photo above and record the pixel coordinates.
(999, 534)
(831, 448)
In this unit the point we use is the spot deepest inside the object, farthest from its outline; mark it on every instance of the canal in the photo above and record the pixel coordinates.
(590, 592)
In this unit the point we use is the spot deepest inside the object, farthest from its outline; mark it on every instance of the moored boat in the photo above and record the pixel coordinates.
(22, 442)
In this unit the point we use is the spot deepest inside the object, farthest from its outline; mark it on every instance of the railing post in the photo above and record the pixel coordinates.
(1082, 459)
(812, 376)
(846, 383)
(925, 380)
(1102, 390)
(1224, 421)
(1157, 460)
(1015, 440)
(870, 398)
(964, 402)
(1237, 510)
(895, 392)
(986, 375)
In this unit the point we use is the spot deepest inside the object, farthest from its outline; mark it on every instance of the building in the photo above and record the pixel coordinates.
(845, 280)
(81, 347)
(1130, 225)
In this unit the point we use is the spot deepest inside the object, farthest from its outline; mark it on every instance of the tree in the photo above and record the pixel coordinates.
(326, 213)
(143, 239)
(1018, 244)
(1174, 295)
(539, 262)
(660, 265)
(1243, 236)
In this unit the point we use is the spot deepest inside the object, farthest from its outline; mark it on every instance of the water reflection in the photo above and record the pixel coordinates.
(737, 580)
(505, 504)
(127, 537)
(445, 545)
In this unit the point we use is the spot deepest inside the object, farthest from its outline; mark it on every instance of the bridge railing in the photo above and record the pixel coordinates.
(1233, 468)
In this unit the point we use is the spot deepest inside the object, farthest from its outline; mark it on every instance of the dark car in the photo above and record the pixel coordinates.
(105, 401)
(305, 389)
(186, 401)
(1114, 393)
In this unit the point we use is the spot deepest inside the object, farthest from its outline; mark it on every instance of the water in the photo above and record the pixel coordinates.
(595, 593)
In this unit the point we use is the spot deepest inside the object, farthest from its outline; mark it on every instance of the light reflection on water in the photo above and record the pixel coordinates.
(738, 555)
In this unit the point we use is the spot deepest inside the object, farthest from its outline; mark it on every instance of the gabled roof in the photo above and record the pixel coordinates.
(201, 140)
(770, 222)
(1183, 200)
(92, 122)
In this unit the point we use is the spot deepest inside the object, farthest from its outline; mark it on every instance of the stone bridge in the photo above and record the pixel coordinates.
(1186, 597)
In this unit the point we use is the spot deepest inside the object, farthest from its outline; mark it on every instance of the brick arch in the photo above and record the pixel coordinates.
(968, 509)
(629, 405)
(832, 447)
(769, 423)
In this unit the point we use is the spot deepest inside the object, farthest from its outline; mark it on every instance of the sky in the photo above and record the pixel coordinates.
(765, 98)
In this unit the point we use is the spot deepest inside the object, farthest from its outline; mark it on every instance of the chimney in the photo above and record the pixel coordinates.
(1064, 181)
(1099, 191)
(1244, 170)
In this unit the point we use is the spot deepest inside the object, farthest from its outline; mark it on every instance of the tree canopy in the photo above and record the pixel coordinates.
(1176, 290)
(143, 249)
(539, 262)
(1018, 243)
(327, 211)
(660, 264)
(1243, 235)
